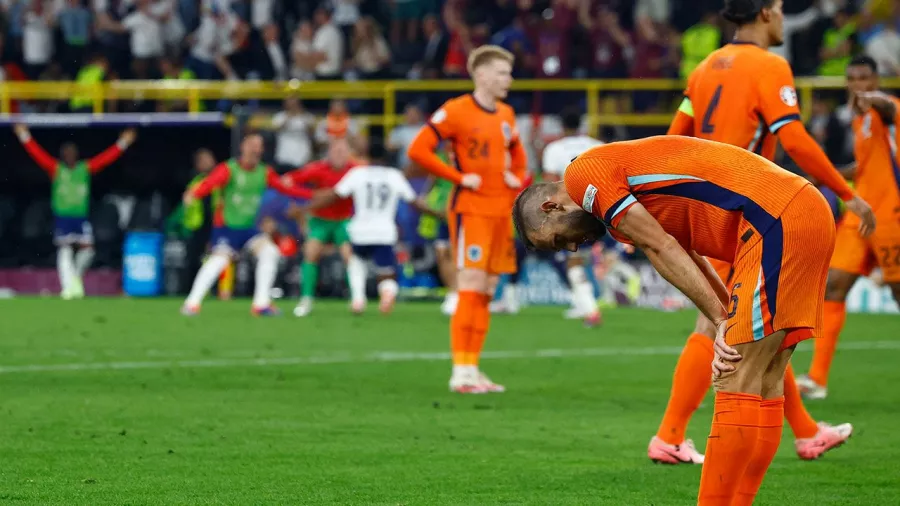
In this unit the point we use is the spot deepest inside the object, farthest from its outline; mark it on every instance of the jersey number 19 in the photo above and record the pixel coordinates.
(377, 196)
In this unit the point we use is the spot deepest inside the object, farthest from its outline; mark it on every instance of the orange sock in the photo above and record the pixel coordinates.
(802, 423)
(771, 422)
(735, 429)
(835, 314)
(461, 325)
(690, 383)
(480, 324)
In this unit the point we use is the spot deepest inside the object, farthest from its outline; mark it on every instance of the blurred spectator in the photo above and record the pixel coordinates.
(650, 56)
(303, 66)
(884, 48)
(92, 73)
(402, 135)
(146, 31)
(328, 44)
(829, 131)
(459, 44)
(173, 29)
(293, 125)
(514, 39)
(171, 68)
(656, 10)
(275, 64)
(211, 44)
(552, 41)
(436, 45)
(405, 16)
(345, 16)
(699, 41)
(837, 45)
(338, 124)
(75, 24)
(37, 38)
(14, 14)
(612, 45)
(262, 13)
(370, 52)
(794, 23)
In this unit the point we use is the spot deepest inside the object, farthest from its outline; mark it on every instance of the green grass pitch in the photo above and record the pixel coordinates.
(125, 402)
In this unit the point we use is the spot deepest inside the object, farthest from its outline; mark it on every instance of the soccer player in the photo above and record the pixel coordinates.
(376, 192)
(243, 181)
(327, 225)
(490, 165)
(729, 99)
(877, 177)
(682, 199)
(70, 200)
(557, 156)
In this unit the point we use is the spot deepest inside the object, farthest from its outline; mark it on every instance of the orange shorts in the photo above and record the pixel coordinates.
(856, 255)
(778, 280)
(483, 242)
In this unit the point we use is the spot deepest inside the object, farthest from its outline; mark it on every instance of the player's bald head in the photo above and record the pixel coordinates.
(546, 218)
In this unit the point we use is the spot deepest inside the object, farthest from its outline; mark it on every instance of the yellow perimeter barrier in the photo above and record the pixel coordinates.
(196, 91)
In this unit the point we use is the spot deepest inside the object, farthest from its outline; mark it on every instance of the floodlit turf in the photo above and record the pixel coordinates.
(127, 402)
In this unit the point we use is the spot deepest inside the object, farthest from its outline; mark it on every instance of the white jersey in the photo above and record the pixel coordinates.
(376, 193)
(559, 153)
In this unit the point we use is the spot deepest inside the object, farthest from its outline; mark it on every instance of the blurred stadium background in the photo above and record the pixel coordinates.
(197, 75)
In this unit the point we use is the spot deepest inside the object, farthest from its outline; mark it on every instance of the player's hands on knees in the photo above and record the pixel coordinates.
(725, 355)
(861, 208)
(471, 181)
(511, 180)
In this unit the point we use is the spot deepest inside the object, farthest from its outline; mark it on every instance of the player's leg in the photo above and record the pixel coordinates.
(64, 236)
(509, 298)
(267, 257)
(386, 269)
(690, 382)
(583, 300)
(468, 233)
(224, 247)
(83, 258)
(318, 236)
(852, 258)
(446, 269)
(356, 277)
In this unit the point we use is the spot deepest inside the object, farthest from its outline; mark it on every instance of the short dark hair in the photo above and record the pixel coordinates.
(518, 217)
(864, 60)
(571, 118)
(742, 12)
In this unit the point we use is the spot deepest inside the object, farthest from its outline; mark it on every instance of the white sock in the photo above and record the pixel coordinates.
(206, 278)
(388, 288)
(582, 291)
(511, 297)
(266, 269)
(464, 370)
(356, 276)
(83, 260)
(65, 266)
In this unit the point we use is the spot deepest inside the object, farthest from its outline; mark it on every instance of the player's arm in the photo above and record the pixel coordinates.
(217, 178)
(37, 153)
(883, 104)
(408, 195)
(848, 171)
(712, 276)
(683, 122)
(274, 182)
(328, 196)
(671, 261)
(422, 151)
(112, 153)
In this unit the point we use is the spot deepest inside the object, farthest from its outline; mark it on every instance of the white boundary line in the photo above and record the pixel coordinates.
(384, 356)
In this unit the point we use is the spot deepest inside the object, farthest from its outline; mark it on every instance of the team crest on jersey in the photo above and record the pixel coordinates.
(473, 253)
(507, 131)
(439, 116)
(788, 96)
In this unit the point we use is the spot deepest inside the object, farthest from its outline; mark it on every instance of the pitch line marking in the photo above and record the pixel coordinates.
(386, 356)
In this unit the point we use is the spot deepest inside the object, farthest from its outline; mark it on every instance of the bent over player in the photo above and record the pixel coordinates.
(730, 99)
(877, 178)
(70, 201)
(243, 181)
(673, 198)
(490, 165)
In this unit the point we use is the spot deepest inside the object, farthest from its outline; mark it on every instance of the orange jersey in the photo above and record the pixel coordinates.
(483, 142)
(877, 177)
(711, 197)
(742, 95)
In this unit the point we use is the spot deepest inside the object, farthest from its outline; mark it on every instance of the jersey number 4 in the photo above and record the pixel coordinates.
(708, 126)
(377, 196)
